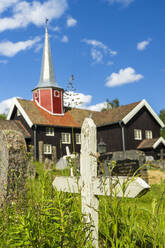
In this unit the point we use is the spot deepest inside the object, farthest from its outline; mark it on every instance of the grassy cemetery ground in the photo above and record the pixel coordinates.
(41, 217)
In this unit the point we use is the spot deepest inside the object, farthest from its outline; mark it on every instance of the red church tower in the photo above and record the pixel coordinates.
(48, 95)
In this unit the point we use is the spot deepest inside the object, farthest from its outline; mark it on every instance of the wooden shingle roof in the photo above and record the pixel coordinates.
(147, 143)
(151, 143)
(41, 117)
(106, 117)
(74, 117)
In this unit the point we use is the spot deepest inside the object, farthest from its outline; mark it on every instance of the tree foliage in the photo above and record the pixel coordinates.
(3, 116)
(162, 117)
(71, 98)
(111, 104)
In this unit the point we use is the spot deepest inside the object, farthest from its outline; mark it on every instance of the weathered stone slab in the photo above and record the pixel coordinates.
(128, 163)
(13, 163)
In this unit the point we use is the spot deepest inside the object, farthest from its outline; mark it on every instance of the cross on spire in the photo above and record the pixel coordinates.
(46, 21)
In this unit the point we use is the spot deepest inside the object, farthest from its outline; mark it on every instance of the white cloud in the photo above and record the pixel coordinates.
(98, 49)
(9, 49)
(38, 47)
(110, 63)
(78, 100)
(97, 107)
(123, 2)
(97, 56)
(56, 29)
(5, 105)
(34, 12)
(71, 22)
(5, 4)
(3, 61)
(113, 53)
(143, 44)
(65, 39)
(124, 76)
(96, 43)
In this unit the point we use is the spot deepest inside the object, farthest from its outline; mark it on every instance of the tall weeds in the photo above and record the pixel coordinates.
(45, 218)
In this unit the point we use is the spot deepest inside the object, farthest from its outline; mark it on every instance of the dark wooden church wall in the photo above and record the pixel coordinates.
(53, 140)
(56, 139)
(22, 120)
(111, 135)
(142, 120)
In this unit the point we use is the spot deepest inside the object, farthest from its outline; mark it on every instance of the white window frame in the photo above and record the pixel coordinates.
(47, 149)
(137, 134)
(148, 134)
(57, 91)
(65, 138)
(78, 138)
(49, 131)
(36, 94)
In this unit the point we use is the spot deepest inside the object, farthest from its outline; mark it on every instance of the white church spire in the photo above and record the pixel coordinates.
(47, 78)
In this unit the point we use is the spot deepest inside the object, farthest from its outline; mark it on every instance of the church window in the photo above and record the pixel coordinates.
(78, 138)
(36, 94)
(137, 134)
(56, 93)
(47, 149)
(148, 134)
(49, 131)
(65, 138)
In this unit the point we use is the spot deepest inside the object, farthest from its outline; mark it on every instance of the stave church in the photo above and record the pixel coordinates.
(49, 127)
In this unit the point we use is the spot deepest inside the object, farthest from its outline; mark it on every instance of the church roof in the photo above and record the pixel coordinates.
(151, 143)
(47, 77)
(103, 118)
(35, 115)
(74, 117)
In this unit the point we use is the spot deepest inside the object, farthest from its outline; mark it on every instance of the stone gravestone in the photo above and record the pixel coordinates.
(13, 163)
(128, 163)
(89, 185)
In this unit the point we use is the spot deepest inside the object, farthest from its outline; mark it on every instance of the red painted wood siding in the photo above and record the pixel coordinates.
(46, 99)
(57, 101)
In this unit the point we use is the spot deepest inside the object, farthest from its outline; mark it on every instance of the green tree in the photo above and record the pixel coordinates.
(111, 104)
(162, 117)
(3, 116)
(71, 98)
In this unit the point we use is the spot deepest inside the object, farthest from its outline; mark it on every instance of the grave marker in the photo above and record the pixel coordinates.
(13, 164)
(89, 185)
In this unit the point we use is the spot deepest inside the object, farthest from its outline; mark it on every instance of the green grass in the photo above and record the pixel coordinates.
(45, 218)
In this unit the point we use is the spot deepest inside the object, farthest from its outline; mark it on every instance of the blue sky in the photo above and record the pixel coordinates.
(114, 48)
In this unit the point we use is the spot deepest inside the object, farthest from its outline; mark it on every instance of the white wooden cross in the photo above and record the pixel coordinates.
(89, 185)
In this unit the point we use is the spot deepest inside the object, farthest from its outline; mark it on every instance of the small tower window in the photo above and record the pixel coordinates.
(36, 95)
(56, 93)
